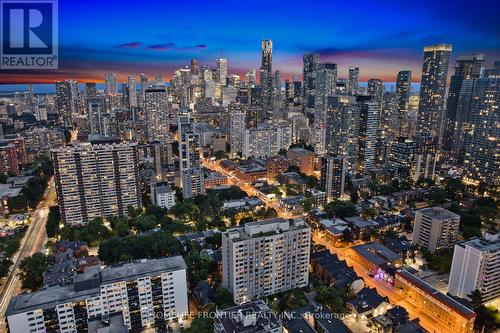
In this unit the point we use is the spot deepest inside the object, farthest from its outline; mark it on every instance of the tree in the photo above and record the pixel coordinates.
(53, 221)
(31, 271)
(437, 196)
(223, 298)
(484, 320)
(17, 203)
(331, 298)
(440, 260)
(340, 209)
(354, 197)
(308, 204)
(220, 154)
(455, 188)
(5, 264)
(201, 324)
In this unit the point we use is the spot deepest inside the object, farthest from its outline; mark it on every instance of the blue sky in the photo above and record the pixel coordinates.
(381, 37)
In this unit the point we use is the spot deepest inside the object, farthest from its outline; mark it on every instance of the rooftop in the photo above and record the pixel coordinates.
(263, 228)
(52, 296)
(438, 213)
(247, 318)
(376, 253)
(440, 297)
(490, 243)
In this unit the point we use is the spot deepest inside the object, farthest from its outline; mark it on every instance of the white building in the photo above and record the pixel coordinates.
(266, 141)
(435, 228)
(475, 266)
(265, 257)
(162, 195)
(142, 292)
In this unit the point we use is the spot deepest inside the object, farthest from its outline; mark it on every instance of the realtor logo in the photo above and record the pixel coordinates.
(29, 36)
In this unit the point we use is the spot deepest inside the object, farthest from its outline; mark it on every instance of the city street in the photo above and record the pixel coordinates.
(385, 289)
(31, 243)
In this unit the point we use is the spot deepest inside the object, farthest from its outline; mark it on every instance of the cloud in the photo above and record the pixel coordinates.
(201, 47)
(162, 47)
(131, 45)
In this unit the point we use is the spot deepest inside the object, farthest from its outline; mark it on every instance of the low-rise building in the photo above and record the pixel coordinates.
(248, 203)
(374, 256)
(214, 179)
(293, 205)
(334, 272)
(162, 195)
(251, 317)
(367, 304)
(445, 310)
(302, 158)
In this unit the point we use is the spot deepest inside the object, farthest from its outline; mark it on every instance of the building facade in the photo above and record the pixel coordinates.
(264, 258)
(435, 228)
(96, 179)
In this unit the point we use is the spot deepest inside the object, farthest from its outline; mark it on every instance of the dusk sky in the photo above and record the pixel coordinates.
(380, 37)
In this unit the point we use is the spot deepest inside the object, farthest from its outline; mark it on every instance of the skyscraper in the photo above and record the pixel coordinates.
(309, 72)
(250, 78)
(376, 90)
(236, 128)
(64, 102)
(403, 90)
(195, 67)
(110, 83)
(342, 127)
(369, 116)
(132, 91)
(222, 70)
(333, 174)
(90, 90)
(97, 179)
(325, 85)
(353, 82)
(466, 67)
(156, 106)
(432, 89)
(96, 108)
(192, 180)
(266, 74)
(481, 118)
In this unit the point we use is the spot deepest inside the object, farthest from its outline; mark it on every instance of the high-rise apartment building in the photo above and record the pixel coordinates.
(325, 85)
(110, 83)
(266, 73)
(403, 90)
(265, 257)
(236, 129)
(64, 102)
(266, 140)
(353, 81)
(376, 90)
(369, 117)
(192, 178)
(433, 89)
(222, 70)
(466, 68)
(333, 176)
(309, 73)
(156, 108)
(8, 158)
(96, 109)
(480, 130)
(475, 267)
(435, 228)
(96, 179)
(132, 91)
(342, 128)
(146, 293)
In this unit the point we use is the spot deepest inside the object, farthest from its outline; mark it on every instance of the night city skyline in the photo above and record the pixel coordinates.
(159, 37)
(248, 166)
